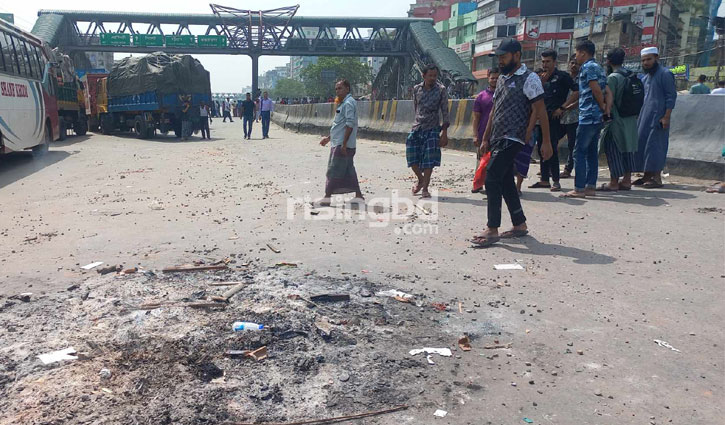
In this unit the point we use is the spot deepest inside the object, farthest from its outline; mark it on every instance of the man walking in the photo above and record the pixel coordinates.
(592, 85)
(341, 174)
(266, 107)
(700, 87)
(428, 136)
(226, 110)
(556, 89)
(619, 138)
(481, 112)
(519, 93)
(653, 124)
(570, 117)
(249, 111)
(204, 120)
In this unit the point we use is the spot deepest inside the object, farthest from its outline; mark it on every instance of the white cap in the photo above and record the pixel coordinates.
(650, 51)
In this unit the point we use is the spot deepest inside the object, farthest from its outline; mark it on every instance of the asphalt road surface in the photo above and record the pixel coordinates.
(602, 278)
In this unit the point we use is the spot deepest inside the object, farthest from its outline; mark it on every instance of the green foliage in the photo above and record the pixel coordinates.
(319, 79)
(287, 87)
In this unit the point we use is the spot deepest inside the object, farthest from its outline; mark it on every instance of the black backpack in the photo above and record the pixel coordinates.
(632, 96)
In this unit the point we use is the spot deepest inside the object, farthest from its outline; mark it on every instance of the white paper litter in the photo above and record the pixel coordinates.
(92, 265)
(440, 413)
(394, 293)
(57, 356)
(666, 345)
(445, 352)
(508, 267)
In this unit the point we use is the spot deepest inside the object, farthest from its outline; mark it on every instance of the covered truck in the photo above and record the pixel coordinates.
(70, 98)
(146, 94)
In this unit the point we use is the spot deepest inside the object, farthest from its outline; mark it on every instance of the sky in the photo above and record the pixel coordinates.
(229, 73)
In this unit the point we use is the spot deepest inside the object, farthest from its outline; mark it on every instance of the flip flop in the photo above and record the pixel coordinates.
(540, 185)
(639, 182)
(623, 187)
(605, 188)
(578, 195)
(509, 234)
(652, 185)
(485, 242)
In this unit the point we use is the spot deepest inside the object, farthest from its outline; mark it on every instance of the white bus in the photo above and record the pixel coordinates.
(28, 108)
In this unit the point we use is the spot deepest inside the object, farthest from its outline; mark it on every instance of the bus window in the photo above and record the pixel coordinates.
(32, 67)
(16, 57)
(36, 62)
(2, 47)
(10, 65)
(41, 60)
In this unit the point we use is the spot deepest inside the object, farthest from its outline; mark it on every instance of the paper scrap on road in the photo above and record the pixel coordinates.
(393, 293)
(92, 265)
(445, 352)
(440, 413)
(508, 267)
(666, 345)
(57, 356)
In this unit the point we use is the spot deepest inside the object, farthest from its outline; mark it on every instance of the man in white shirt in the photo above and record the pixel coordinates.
(227, 110)
(720, 88)
(266, 107)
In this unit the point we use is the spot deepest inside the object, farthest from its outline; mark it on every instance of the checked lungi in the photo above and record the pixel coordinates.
(341, 174)
(422, 148)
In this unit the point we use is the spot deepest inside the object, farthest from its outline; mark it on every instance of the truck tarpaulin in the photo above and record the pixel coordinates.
(159, 72)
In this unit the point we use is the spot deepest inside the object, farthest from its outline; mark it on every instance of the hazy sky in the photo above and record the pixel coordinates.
(228, 73)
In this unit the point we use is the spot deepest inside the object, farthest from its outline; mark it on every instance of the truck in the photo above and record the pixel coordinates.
(90, 92)
(70, 98)
(145, 94)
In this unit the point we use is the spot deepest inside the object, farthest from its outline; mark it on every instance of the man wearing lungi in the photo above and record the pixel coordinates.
(428, 136)
(341, 174)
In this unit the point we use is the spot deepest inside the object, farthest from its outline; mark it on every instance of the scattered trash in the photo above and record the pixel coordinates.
(109, 269)
(285, 264)
(226, 296)
(224, 283)
(258, 354)
(246, 326)
(508, 267)
(24, 297)
(106, 390)
(398, 295)
(59, 355)
(324, 327)
(192, 268)
(439, 306)
(330, 298)
(464, 343)
(497, 346)
(445, 352)
(460, 307)
(275, 250)
(105, 373)
(666, 345)
(528, 421)
(92, 265)
(130, 271)
(156, 205)
(440, 413)
(336, 419)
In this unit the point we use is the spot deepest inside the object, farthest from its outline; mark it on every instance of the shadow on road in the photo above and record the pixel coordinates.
(71, 140)
(532, 246)
(454, 200)
(163, 138)
(16, 166)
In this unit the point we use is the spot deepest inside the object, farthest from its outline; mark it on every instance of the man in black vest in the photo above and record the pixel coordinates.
(519, 93)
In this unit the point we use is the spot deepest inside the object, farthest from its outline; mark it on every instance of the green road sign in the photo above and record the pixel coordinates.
(148, 40)
(115, 39)
(212, 40)
(180, 41)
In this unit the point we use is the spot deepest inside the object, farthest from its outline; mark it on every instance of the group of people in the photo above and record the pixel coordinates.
(615, 111)
(702, 88)
(250, 111)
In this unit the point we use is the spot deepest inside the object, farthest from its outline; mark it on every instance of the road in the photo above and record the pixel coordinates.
(603, 277)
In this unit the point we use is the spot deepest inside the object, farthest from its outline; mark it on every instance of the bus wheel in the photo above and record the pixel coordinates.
(42, 149)
(81, 127)
(139, 126)
(62, 129)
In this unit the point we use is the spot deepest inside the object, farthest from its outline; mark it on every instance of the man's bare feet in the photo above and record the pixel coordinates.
(416, 188)
(573, 194)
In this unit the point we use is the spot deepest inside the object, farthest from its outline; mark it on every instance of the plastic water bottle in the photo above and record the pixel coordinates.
(246, 326)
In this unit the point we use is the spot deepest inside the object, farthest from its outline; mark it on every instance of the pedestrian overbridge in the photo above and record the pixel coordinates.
(408, 43)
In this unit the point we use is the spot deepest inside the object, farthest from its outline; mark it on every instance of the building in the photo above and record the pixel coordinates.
(100, 61)
(436, 10)
(270, 78)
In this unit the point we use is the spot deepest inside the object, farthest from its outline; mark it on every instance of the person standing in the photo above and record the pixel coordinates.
(226, 110)
(341, 174)
(481, 111)
(570, 117)
(428, 135)
(204, 120)
(266, 107)
(592, 106)
(700, 87)
(720, 90)
(519, 94)
(249, 111)
(653, 124)
(619, 138)
(556, 89)
(186, 118)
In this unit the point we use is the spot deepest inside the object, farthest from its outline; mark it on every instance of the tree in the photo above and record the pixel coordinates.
(319, 79)
(287, 87)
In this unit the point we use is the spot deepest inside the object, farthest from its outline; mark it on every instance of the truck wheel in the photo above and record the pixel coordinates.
(41, 150)
(62, 129)
(139, 126)
(106, 124)
(81, 127)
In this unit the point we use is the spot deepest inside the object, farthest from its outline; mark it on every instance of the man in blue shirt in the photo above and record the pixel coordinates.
(592, 107)
(341, 174)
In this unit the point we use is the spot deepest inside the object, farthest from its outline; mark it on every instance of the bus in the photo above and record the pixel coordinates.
(28, 107)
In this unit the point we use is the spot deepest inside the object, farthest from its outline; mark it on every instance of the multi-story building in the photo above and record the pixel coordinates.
(439, 10)
(459, 31)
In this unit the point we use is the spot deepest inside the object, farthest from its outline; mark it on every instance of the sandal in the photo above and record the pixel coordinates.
(565, 175)
(573, 194)
(540, 185)
(639, 182)
(605, 188)
(652, 185)
(515, 233)
(485, 241)
(623, 187)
